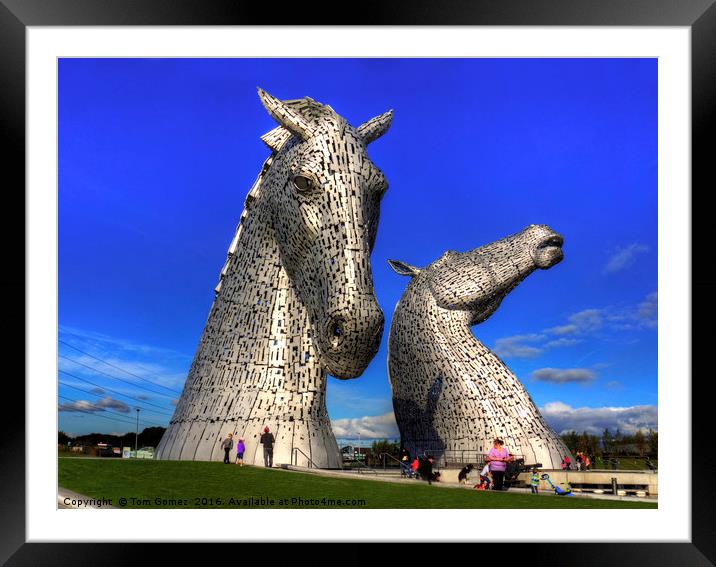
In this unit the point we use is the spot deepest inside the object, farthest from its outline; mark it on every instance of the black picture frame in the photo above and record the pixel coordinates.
(699, 15)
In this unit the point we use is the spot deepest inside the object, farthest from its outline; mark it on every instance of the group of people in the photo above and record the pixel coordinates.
(492, 475)
(417, 467)
(582, 462)
(267, 440)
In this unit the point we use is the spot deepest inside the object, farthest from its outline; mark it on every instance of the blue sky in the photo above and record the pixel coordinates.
(156, 157)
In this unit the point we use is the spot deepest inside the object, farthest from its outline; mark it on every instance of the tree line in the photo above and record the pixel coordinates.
(614, 444)
(148, 437)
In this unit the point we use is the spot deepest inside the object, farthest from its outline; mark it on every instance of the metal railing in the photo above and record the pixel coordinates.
(365, 468)
(451, 458)
(384, 460)
(294, 460)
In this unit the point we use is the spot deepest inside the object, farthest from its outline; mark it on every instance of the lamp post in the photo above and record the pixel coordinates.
(136, 435)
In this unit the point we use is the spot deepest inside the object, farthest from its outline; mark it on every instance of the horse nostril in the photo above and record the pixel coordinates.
(336, 331)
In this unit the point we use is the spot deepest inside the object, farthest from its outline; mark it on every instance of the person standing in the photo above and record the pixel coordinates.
(534, 481)
(497, 459)
(227, 444)
(404, 457)
(240, 448)
(267, 440)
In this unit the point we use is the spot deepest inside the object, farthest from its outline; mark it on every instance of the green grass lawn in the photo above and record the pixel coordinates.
(214, 485)
(625, 464)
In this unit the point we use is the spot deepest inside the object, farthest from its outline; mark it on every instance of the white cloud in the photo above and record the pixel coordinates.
(561, 342)
(564, 375)
(648, 310)
(644, 315)
(624, 257)
(515, 347)
(563, 418)
(369, 426)
(582, 322)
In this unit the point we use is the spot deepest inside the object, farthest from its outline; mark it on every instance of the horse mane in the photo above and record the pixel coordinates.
(275, 139)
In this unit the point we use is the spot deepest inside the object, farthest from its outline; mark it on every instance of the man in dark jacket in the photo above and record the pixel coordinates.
(426, 469)
(227, 444)
(267, 440)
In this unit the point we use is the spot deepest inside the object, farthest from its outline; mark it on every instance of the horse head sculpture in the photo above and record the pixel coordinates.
(430, 337)
(295, 299)
(325, 195)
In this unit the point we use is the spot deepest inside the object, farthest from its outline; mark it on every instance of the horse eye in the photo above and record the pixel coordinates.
(301, 183)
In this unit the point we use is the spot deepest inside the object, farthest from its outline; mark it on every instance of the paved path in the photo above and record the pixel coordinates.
(397, 479)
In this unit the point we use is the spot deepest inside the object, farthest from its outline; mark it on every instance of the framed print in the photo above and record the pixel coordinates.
(286, 276)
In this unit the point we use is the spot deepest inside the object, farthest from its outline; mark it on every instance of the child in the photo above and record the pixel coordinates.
(240, 448)
(485, 482)
(534, 481)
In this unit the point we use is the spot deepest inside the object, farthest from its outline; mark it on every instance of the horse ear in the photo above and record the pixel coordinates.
(285, 116)
(276, 138)
(403, 269)
(375, 127)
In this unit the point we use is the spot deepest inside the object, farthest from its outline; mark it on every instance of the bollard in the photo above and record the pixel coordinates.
(614, 486)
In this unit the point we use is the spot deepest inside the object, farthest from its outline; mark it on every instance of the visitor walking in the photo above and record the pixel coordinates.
(404, 457)
(227, 444)
(426, 469)
(534, 481)
(240, 448)
(497, 459)
(267, 440)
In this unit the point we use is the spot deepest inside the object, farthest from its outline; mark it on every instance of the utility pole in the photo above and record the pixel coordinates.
(136, 435)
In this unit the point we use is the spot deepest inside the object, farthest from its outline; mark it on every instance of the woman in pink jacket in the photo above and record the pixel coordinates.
(497, 460)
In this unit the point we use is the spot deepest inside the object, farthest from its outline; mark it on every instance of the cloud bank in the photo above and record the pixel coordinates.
(369, 426)
(563, 418)
(84, 406)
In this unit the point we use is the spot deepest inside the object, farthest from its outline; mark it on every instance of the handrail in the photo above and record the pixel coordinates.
(388, 455)
(296, 450)
(361, 463)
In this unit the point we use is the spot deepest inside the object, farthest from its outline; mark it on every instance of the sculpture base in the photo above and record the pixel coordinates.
(298, 442)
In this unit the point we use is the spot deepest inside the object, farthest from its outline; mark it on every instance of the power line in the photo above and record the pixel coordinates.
(107, 410)
(118, 367)
(100, 395)
(115, 392)
(115, 378)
